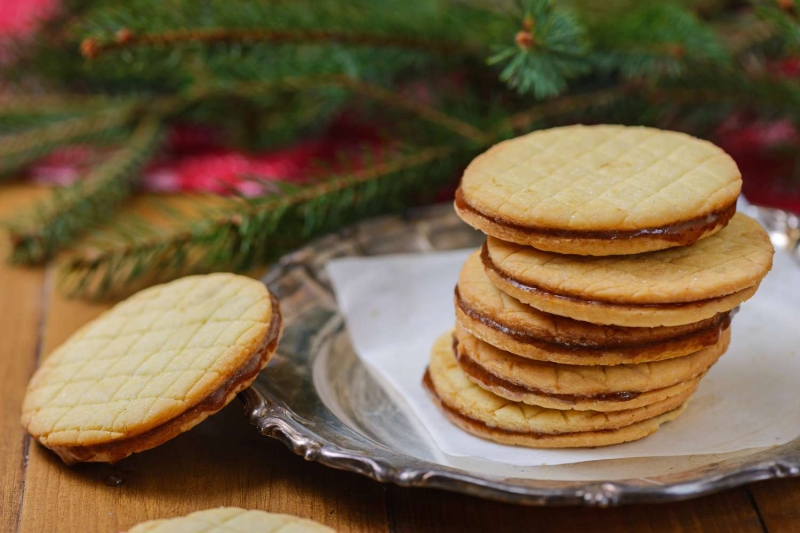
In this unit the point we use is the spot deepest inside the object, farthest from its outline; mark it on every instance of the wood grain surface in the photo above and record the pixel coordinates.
(225, 462)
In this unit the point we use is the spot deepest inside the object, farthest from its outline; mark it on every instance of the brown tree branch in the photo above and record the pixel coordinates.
(92, 47)
(369, 90)
(559, 106)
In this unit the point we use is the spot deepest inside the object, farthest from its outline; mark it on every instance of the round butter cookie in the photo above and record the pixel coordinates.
(505, 322)
(488, 415)
(600, 190)
(232, 520)
(152, 367)
(583, 388)
(665, 288)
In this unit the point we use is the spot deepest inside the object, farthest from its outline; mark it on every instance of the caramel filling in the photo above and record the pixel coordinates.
(682, 233)
(480, 374)
(533, 289)
(483, 427)
(118, 450)
(706, 336)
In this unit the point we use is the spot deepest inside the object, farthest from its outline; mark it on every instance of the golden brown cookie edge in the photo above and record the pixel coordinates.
(117, 450)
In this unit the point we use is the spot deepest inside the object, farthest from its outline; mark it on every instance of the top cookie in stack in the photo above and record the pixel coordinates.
(600, 190)
(604, 292)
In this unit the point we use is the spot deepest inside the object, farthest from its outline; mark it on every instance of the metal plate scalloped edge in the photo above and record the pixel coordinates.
(309, 428)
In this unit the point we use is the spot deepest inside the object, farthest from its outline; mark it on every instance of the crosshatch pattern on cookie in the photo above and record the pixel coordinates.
(479, 294)
(458, 392)
(146, 360)
(559, 378)
(231, 520)
(601, 177)
(735, 258)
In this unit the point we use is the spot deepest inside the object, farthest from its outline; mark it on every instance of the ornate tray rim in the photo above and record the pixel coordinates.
(274, 419)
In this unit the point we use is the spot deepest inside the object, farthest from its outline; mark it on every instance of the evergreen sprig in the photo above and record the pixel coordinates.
(19, 149)
(549, 49)
(173, 45)
(656, 40)
(371, 91)
(58, 220)
(784, 16)
(246, 232)
(23, 112)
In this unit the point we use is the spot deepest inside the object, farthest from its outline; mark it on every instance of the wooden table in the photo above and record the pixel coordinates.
(224, 461)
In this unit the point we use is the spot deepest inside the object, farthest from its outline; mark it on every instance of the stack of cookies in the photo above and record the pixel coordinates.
(604, 292)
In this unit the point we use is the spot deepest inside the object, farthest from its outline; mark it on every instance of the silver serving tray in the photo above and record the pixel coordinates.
(318, 399)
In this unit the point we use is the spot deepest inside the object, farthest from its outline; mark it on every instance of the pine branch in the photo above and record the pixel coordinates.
(151, 45)
(564, 105)
(57, 221)
(248, 232)
(732, 88)
(783, 17)
(548, 51)
(425, 112)
(23, 104)
(18, 150)
(92, 47)
(393, 99)
(655, 40)
(20, 112)
(746, 33)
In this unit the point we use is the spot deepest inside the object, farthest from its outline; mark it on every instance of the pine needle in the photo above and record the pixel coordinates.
(371, 91)
(656, 40)
(549, 49)
(58, 220)
(23, 148)
(249, 232)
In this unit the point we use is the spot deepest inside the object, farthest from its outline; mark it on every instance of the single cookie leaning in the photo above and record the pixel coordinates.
(583, 388)
(231, 520)
(505, 322)
(665, 288)
(488, 415)
(152, 367)
(600, 190)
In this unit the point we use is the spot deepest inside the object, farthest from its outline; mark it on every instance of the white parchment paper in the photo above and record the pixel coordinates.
(396, 306)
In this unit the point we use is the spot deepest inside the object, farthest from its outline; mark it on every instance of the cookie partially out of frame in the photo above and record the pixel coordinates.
(152, 367)
(488, 415)
(665, 288)
(583, 388)
(232, 520)
(505, 322)
(600, 190)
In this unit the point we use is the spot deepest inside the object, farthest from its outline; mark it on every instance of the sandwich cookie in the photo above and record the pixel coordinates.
(490, 416)
(152, 367)
(665, 288)
(232, 520)
(503, 321)
(583, 388)
(600, 190)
